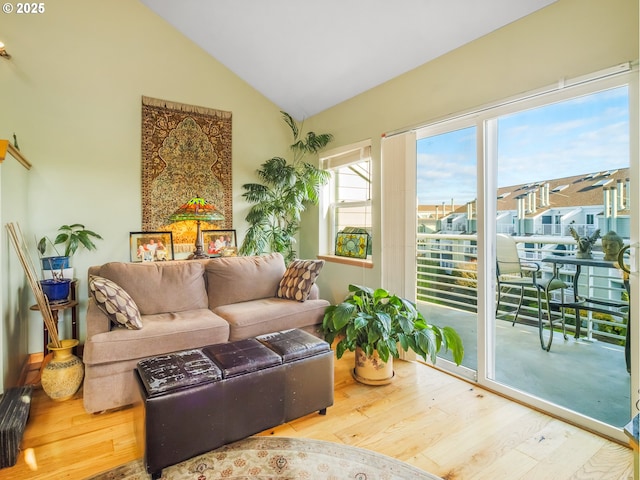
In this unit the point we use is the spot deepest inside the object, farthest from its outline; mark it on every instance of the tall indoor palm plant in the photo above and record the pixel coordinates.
(287, 188)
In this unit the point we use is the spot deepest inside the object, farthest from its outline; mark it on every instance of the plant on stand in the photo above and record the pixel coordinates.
(373, 322)
(72, 237)
(287, 189)
(61, 372)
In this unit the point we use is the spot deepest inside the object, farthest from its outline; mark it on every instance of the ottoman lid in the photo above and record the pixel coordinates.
(173, 371)
(242, 356)
(294, 344)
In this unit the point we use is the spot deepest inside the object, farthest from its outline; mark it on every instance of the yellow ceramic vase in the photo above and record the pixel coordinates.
(62, 376)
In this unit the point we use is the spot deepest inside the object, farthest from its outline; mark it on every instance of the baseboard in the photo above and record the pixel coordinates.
(30, 372)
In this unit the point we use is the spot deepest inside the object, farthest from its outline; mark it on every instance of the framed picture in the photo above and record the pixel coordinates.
(150, 246)
(220, 242)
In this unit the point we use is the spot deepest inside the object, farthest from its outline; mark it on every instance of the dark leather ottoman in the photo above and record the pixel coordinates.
(198, 400)
(308, 368)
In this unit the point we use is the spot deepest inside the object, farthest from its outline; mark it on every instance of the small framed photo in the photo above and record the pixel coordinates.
(220, 242)
(150, 246)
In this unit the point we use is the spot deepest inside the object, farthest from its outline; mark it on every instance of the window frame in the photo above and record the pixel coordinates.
(485, 119)
(332, 160)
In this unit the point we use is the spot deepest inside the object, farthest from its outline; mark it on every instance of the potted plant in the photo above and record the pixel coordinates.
(373, 322)
(287, 188)
(57, 274)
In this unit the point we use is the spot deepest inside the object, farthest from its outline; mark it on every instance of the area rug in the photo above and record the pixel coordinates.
(279, 458)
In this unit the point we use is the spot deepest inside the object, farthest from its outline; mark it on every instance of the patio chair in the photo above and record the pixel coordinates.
(512, 272)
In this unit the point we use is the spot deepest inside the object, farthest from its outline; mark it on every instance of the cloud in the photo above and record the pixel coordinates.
(442, 177)
(578, 136)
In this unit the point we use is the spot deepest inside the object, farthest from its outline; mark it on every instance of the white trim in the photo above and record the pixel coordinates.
(526, 101)
(398, 214)
(484, 119)
(345, 149)
(347, 155)
(355, 204)
(333, 160)
(562, 84)
(634, 277)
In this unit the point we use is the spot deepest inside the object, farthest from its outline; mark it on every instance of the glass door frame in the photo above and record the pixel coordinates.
(485, 120)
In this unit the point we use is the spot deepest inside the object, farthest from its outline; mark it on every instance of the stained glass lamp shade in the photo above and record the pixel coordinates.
(200, 210)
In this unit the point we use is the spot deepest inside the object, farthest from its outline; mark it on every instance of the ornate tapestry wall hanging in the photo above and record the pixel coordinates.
(186, 153)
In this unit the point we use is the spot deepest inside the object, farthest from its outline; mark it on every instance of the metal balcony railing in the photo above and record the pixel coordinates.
(447, 275)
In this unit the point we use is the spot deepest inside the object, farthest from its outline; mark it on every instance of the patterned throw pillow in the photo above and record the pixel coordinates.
(297, 281)
(115, 302)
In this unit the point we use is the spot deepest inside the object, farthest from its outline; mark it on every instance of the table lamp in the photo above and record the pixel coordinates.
(200, 210)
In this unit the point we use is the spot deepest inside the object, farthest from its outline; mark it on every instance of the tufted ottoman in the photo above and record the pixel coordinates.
(198, 400)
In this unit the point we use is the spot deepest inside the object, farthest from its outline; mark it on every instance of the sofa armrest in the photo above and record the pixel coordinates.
(97, 320)
(314, 293)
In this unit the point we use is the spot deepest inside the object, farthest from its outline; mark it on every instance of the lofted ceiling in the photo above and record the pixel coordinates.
(307, 56)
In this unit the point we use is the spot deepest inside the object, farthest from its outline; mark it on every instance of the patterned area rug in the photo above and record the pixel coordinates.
(279, 458)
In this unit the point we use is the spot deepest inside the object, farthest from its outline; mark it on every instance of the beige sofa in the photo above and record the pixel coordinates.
(182, 305)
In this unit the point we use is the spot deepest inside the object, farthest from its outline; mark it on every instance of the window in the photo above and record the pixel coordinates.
(348, 196)
(567, 154)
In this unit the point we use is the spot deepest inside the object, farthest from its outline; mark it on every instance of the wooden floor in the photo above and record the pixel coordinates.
(425, 417)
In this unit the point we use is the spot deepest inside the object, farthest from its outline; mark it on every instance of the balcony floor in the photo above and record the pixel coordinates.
(589, 377)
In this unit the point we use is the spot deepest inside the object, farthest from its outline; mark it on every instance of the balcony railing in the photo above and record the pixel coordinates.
(554, 230)
(447, 275)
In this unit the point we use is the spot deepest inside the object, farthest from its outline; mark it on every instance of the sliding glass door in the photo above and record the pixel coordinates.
(563, 177)
(537, 176)
(447, 290)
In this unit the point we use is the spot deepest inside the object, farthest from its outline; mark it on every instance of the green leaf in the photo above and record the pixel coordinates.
(61, 238)
(42, 245)
(383, 351)
(288, 119)
(341, 315)
(428, 343)
(454, 343)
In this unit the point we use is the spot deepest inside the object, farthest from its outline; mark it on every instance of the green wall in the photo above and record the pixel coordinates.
(567, 39)
(72, 93)
(14, 293)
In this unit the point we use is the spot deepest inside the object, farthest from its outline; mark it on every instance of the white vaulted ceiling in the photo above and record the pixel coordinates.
(307, 56)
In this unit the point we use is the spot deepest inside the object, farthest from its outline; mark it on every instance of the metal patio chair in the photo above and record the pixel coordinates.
(512, 272)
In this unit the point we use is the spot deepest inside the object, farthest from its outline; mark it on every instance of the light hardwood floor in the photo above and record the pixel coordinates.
(425, 417)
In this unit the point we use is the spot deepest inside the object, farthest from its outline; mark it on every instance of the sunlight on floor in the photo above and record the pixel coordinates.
(30, 459)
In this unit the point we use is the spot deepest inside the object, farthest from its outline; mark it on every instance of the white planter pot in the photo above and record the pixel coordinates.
(371, 370)
(66, 273)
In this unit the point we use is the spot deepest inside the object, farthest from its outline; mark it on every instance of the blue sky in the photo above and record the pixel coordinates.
(583, 135)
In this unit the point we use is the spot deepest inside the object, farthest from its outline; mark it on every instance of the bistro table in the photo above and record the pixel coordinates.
(584, 302)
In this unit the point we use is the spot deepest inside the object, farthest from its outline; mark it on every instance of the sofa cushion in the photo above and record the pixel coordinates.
(161, 333)
(115, 303)
(266, 315)
(160, 287)
(297, 281)
(240, 279)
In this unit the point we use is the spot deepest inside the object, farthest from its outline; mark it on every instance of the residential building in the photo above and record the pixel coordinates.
(586, 203)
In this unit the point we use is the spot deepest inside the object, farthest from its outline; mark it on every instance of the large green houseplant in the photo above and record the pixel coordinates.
(374, 322)
(287, 188)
